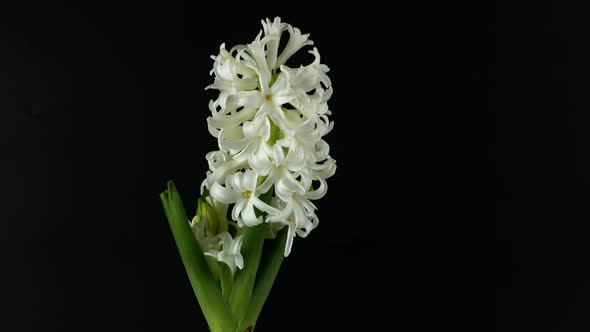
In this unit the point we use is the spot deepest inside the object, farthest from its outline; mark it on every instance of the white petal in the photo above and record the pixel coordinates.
(281, 100)
(276, 115)
(273, 29)
(233, 120)
(260, 162)
(239, 261)
(233, 145)
(230, 135)
(258, 127)
(212, 253)
(318, 192)
(237, 245)
(290, 237)
(300, 215)
(264, 130)
(238, 208)
(248, 215)
(248, 150)
(250, 99)
(296, 41)
(215, 159)
(310, 224)
(227, 240)
(263, 206)
(291, 183)
(278, 155)
(325, 169)
(222, 194)
(283, 191)
(281, 86)
(295, 160)
(283, 215)
(269, 181)
(249, 180)
(256, 49)
(234, 182)
(322, 150)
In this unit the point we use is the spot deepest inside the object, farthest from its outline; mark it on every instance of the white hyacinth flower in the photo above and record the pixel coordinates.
(230, 252)
(240, 190)
(269, 119)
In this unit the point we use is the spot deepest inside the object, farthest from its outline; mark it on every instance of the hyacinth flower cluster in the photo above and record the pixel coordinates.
(272, 162)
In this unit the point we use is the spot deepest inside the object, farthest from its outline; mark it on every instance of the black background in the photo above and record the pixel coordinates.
(461, 136)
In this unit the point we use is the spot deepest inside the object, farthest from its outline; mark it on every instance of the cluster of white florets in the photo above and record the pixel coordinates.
(269, 120)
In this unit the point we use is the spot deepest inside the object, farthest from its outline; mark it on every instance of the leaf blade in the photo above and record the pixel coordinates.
(245, 278)
(214, 307)
(264, 281)
(226, 281)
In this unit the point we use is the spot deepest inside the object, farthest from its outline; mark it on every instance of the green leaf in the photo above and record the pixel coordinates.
(266, 277)
(244, 279)
(214, 307)
(226, 281)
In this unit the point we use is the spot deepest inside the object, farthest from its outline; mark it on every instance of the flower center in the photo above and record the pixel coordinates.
(268, 97)
(247, 194)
